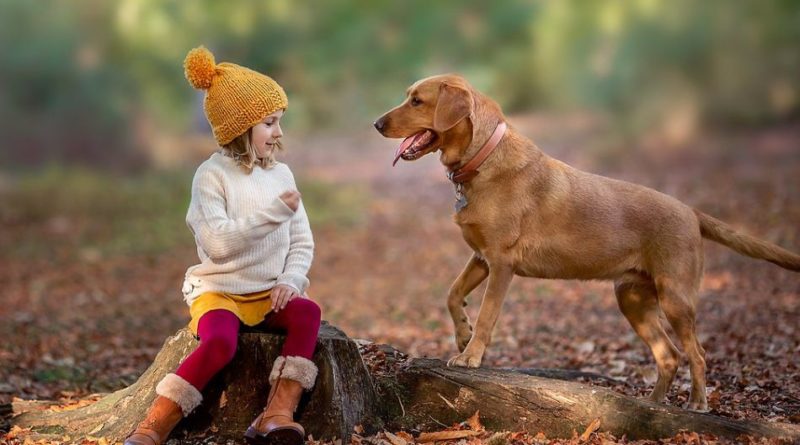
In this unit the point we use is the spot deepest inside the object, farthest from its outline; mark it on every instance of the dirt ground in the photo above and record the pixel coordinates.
(73, 323)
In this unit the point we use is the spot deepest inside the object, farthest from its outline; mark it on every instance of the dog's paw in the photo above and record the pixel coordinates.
(463, 336)
(466, 360)
(700, 407)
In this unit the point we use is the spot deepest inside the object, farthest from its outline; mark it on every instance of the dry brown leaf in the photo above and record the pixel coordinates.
(72, 405)
(359, 429)
(395, 440)
(223, 399)
(405, 436)
(590, 429)
(474, 422)
(16, 431)
(446, 435)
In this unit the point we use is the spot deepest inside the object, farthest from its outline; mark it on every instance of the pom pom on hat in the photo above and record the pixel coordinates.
(236, 98)
(200, 67)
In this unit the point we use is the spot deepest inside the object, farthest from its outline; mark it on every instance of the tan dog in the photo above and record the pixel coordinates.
(531, 215)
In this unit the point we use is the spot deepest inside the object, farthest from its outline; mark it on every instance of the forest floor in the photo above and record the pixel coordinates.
(91, 278)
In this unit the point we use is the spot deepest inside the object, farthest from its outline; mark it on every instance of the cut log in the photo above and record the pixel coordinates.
(342, 398)
(379, 387)
(428, 395)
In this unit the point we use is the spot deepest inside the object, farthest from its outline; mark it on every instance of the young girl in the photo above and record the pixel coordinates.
(255, 248)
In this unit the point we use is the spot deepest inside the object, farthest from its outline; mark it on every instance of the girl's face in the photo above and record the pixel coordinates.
(266, 133)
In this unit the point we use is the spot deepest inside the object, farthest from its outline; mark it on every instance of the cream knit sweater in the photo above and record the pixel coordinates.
(248, 240)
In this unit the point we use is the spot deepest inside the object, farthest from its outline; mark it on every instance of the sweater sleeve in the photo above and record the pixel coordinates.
(301, 252)
(218, 235)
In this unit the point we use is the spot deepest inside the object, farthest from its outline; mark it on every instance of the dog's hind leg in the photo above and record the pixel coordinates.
(473, 274)
(637, 298)
(676, 296)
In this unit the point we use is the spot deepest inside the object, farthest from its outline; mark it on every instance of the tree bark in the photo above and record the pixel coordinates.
(342, 397)
(433, 395)
(379, 387)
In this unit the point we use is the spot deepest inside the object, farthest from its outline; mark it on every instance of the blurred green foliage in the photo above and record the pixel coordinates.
(83, 80)
(93, 214)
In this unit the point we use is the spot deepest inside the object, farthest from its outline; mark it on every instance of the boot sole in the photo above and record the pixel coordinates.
(278, 436)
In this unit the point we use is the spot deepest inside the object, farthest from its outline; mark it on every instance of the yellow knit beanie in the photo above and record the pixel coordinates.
(237, 98)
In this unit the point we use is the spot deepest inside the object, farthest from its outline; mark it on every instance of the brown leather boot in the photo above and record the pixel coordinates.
(161, 418)
(275, 425)
(176, 398)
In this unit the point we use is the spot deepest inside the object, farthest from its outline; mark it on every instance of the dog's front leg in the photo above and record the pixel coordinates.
(500, 276)
(473, 274)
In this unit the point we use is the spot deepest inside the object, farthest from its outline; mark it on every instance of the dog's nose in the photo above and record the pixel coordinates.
(379, 124)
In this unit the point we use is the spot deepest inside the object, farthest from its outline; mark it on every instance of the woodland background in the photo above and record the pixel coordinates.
(100, 134)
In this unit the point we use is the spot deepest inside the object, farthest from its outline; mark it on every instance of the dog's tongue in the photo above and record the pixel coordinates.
(403, 146)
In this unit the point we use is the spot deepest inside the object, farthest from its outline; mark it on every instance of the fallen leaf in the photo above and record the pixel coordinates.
(590, 429)
(499, 438)
(223, 400)
(405, 436)
(586, 347)
(395, 440)
(16, 431)
(714, 399)
(71, 405)
(446, 435)
(474, 422)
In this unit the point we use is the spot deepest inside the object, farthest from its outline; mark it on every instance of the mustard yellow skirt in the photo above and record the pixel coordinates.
(249, 308)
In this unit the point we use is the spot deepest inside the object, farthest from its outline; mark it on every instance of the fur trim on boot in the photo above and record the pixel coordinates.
(175, 388)
(299, 369)
(277, 367)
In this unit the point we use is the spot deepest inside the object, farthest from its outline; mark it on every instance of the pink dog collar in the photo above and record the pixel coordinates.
(470, 169)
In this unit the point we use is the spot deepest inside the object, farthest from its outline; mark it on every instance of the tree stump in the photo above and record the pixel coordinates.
(342, 398)
(379, 387)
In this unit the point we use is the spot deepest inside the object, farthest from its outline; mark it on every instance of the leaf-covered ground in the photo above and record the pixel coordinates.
(78, 318)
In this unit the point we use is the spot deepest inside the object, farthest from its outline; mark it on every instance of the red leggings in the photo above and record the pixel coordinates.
(219, 329)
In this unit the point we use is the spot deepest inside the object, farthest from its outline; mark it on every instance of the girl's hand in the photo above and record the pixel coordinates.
(281, 295)
(291, 198)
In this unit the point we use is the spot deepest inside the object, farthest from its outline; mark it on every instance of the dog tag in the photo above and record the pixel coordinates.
(461, 202)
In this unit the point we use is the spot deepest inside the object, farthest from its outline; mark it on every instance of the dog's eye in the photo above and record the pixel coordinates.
(415, 102)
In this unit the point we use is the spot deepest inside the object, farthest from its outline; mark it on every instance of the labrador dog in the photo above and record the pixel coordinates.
(525, 213)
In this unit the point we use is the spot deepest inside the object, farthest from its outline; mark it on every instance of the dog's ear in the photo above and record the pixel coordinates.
(453, 105)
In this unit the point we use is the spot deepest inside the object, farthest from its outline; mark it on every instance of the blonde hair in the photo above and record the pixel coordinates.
(242, 150)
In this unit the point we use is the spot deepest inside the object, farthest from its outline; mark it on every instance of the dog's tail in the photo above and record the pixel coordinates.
(724, 234)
